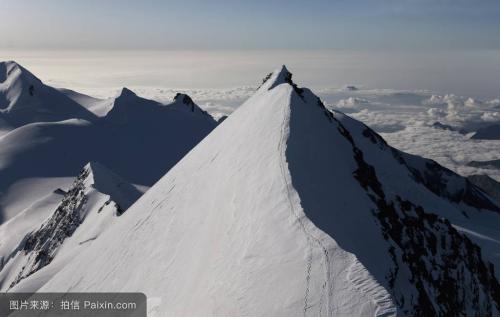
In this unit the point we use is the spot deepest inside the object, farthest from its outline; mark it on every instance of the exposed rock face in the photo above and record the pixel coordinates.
(94, 183)
(447, 271)
(42, 245)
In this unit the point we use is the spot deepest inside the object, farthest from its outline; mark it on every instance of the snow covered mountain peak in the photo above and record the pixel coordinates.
(25, 99)
(184, 101)
(128, 106)
(126, 93)
(279, 76)
(10, 72)
(14, 82)
(184, 98)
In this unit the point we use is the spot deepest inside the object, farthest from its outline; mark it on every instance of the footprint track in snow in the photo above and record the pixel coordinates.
(310, 237)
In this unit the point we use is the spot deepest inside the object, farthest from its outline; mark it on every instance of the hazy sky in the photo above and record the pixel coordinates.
(442, 45)
(250, 24)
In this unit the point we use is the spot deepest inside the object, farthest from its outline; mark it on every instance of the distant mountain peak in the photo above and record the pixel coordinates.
(10, 63)
(126, 93)
(24, 98)
(184, 98)
(10, 71)
(125, 103)
(185, 101)
(16, 82)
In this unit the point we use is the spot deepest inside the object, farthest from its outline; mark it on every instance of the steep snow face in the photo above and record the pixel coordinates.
(287, 209)
(25, 99)
(141, 139)
(92, 204)
(97, 106)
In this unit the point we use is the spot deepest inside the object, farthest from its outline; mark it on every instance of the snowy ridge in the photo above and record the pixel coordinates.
(87, 209)
(312, 240)
(127, 106)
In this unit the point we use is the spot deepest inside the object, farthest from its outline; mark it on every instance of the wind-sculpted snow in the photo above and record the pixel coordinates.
(289, 209)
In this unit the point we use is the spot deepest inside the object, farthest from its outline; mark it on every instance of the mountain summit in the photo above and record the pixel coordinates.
(289, 209)
(25, 99)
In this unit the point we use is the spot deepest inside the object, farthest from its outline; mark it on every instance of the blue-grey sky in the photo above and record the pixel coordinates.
(247, 24)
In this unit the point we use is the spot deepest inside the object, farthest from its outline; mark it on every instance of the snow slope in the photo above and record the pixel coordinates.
(288, 209)
(44, 237)
(141, 139)
(25, 99)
